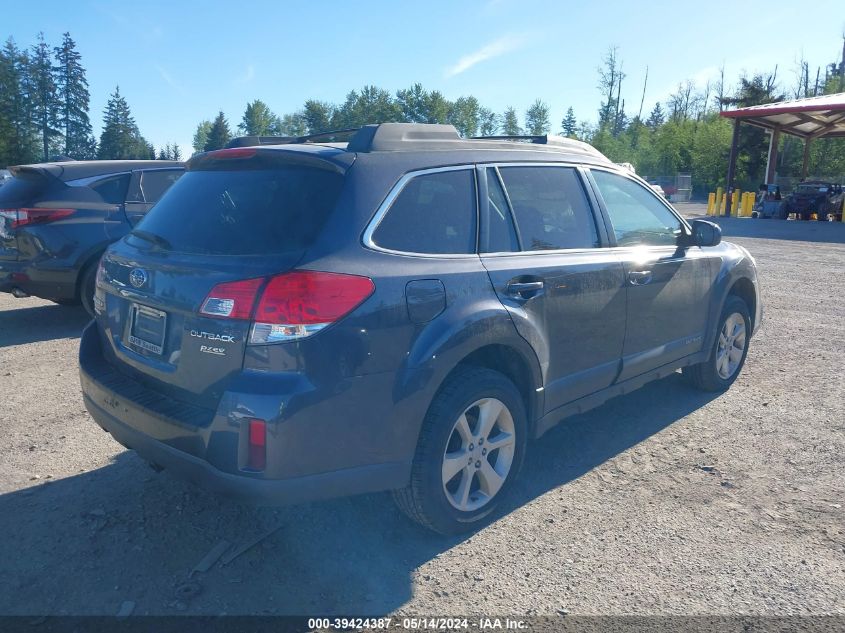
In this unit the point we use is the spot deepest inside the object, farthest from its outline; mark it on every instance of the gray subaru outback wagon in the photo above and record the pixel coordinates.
(401, 311)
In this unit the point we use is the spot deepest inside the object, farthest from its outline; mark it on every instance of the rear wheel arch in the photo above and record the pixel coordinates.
(85, 271)
(513, 364)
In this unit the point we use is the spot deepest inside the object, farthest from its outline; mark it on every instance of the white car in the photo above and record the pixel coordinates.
(657, 188)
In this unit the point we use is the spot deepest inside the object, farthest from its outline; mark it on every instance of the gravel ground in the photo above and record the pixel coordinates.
(665, 501)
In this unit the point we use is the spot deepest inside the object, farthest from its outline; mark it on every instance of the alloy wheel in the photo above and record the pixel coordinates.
(479, 454)
(732, 341)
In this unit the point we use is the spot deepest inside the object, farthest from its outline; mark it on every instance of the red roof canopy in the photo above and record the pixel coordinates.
(813, 117)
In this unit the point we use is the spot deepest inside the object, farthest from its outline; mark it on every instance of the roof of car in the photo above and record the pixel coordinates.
(75, 169)
(430, 138)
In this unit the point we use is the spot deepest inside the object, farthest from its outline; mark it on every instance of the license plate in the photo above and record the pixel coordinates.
(148, 328)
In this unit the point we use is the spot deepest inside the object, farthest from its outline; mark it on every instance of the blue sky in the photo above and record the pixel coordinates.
(179, 62)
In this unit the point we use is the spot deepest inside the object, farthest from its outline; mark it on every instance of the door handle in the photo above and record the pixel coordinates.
(524, 289)
(639, 277)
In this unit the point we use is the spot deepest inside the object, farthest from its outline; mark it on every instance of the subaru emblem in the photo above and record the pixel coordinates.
(138, 277)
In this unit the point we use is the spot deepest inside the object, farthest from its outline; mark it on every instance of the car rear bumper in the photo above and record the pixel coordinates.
(204, 446)
(39, 282)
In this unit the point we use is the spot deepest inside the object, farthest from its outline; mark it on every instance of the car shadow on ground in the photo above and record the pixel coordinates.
(41, 323)
(85, 544)
(771, 229)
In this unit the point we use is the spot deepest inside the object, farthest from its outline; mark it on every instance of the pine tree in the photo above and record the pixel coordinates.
(510, 123)
(537, 119)
(44, 96)
(219, 134)
(317, 116)
(18, 142)
(258, 120)
(120, 138)
(656, 118)
(293, 125)
(72, 92)
(370, 105)
(488, 122)
(201, 136)
(437, 108)
(569, 125)
(175, 152)
(464, 115)
(413, 104)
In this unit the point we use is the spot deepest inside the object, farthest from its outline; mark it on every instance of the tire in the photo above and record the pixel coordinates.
(87, 286)
(66, 302)
(717, 374)
(821, 215)
(454, 506)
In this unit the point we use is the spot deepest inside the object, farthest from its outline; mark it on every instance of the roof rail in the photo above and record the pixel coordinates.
(552, 140)
(429, 136)
(329, 136)
(383, 137)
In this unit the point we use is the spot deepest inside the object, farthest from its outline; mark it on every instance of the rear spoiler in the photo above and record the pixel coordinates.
(252, 157)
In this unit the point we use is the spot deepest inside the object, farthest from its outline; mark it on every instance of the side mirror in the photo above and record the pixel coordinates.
(705, 233)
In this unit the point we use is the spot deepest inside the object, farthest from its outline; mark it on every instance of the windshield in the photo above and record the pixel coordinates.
(242, 212)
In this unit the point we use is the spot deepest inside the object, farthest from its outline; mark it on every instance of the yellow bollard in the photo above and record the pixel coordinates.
(719, 199)
(752, 200)
(735, 204)
(711, 203)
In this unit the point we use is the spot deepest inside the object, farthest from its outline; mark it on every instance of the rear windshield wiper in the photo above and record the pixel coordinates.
(158, 240)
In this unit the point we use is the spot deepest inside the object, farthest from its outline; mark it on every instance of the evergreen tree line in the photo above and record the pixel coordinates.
(683, 135)
(376, 105)
(44, 110)
(687, 135)
(44, 114)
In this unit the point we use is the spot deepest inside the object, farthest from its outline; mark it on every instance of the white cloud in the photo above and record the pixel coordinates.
(498, 47)
(249, 75)
(168, 79)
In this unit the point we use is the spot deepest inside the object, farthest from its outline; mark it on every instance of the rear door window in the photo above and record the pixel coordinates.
(155, 183)
(498, 233)
(112, 189)
(550, 208)
(244, 212)
(435, 213)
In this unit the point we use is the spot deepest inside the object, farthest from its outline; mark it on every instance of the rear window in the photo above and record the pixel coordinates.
(434, 213)
(244, 212)
(112, 189)
(155, 183)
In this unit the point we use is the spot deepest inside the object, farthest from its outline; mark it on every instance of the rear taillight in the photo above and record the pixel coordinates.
(291, 306)
(99, 295)
(232, 300)
(256, 458)
(24, 217)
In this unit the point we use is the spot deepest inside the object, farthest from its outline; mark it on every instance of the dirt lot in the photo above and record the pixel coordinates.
(664, 501)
